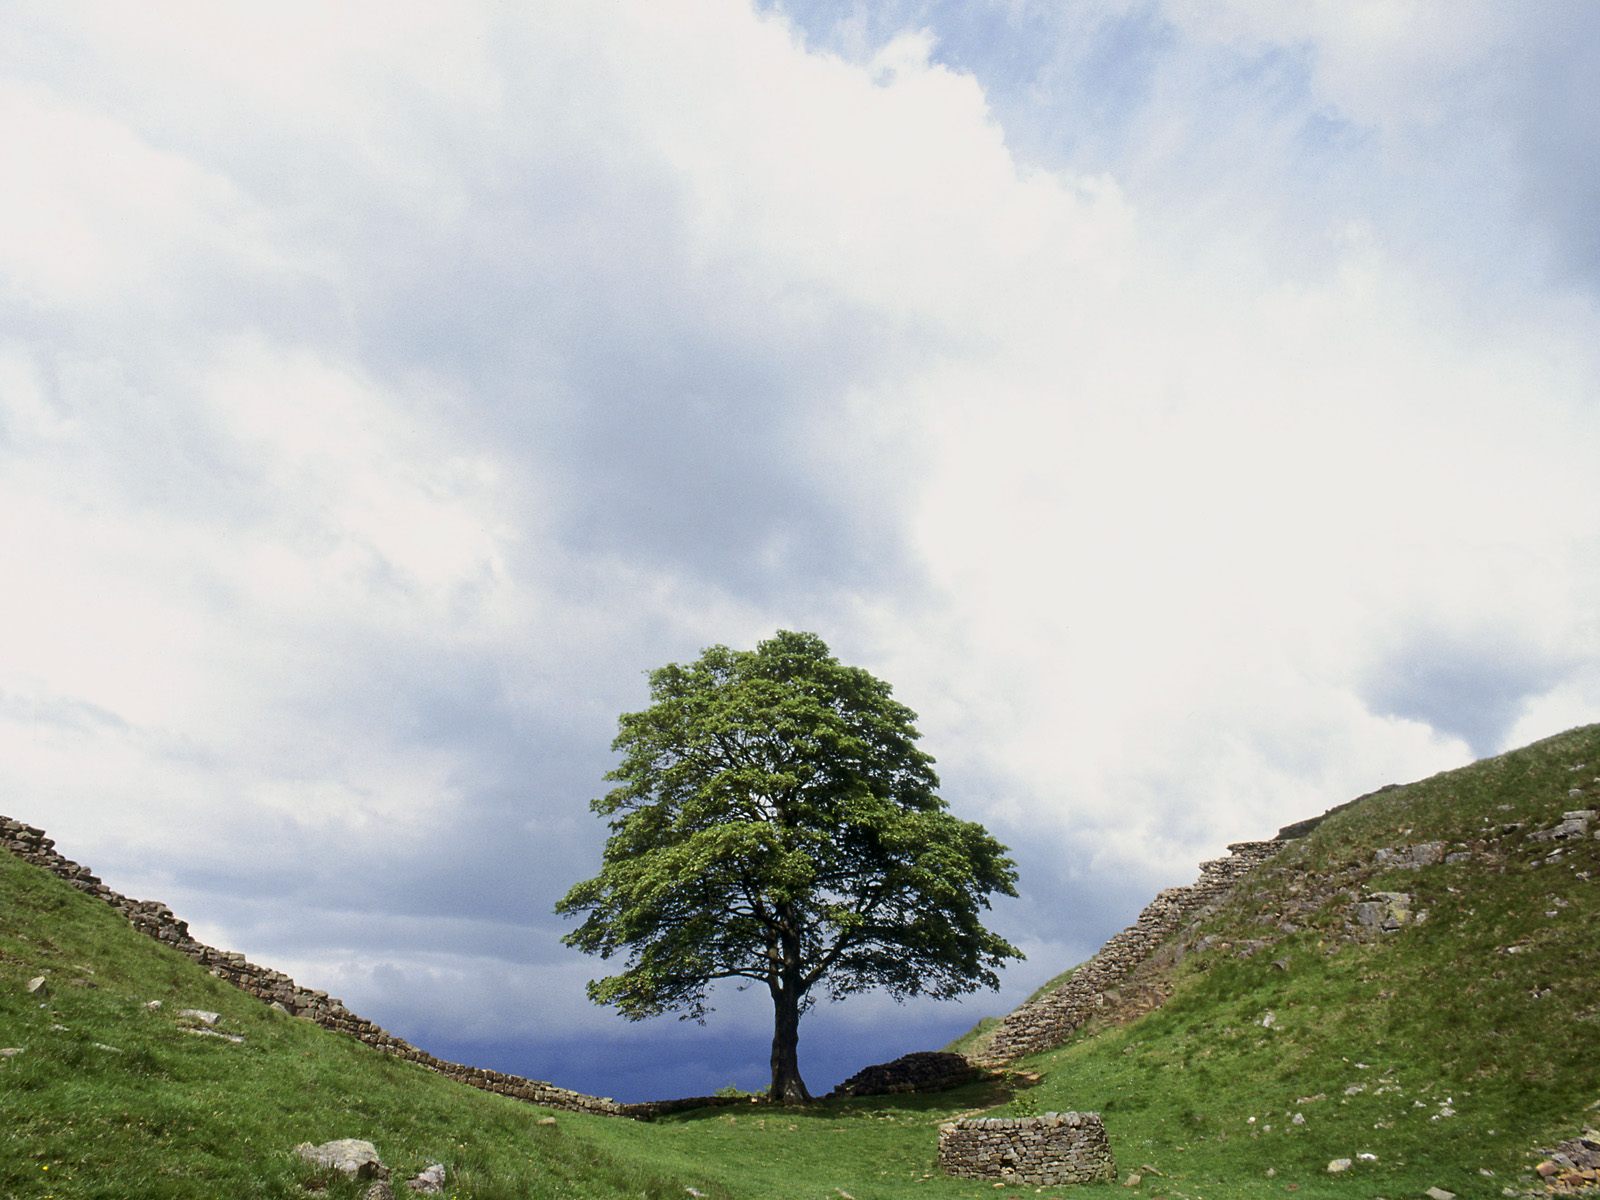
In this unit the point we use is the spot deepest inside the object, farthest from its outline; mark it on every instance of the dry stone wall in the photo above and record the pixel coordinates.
(920, 1071)
(1042, 1151)
(274, 987)
(1052, 1018)
(1035, 1026)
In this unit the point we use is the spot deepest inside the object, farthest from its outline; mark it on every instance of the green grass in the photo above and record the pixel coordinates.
(109, 1099)
(1371, 1041)
(1434, 1016)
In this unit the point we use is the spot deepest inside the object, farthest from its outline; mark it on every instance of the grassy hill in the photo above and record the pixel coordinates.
(1298, 1031)
(1447, 1048)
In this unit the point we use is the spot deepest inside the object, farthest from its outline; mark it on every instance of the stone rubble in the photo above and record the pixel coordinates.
(1573, 1165)
(1044, 1151)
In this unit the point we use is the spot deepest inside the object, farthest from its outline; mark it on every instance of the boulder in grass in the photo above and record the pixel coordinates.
(351, 1157)
(429, 1181)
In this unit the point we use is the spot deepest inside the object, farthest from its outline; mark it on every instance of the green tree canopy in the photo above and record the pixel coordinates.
(775, 823)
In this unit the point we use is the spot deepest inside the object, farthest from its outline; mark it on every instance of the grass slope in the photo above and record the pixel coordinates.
(110, 1099)
(1447, 1049)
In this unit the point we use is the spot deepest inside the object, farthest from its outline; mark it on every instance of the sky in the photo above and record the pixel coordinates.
(1192, 410)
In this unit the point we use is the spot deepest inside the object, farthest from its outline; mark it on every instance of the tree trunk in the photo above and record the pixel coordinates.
(787, 1086)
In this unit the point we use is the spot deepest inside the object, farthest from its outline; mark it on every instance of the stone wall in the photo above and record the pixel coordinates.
(920, 1071)
(276, 988)
(1052, 1018)
(1035, 1026)
(1041, 1151)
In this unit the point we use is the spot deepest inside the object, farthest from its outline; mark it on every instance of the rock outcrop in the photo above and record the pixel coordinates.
(350, 1157)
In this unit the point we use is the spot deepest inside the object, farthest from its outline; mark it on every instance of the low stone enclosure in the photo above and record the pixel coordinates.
(1043, 1151)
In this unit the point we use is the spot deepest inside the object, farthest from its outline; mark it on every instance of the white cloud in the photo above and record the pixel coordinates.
(96, 215)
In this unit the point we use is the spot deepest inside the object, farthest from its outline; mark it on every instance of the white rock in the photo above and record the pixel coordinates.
(429, 1181)
(1338, 1165)
(201, 1015)
(349, 1156)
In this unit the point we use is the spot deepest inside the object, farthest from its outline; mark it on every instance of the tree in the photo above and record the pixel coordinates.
(775, 823)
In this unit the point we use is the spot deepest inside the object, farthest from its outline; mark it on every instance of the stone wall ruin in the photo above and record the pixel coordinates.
(1042, 1151)
(1038, 1025)
(1052, 1018)
(920, 1071)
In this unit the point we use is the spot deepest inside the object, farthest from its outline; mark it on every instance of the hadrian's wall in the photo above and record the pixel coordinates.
(1042, 1151)
(274, 987)
(1052, 1018)
(920, 1071)
(1038, 1025)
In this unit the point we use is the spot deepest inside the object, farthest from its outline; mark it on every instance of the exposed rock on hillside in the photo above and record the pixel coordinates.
(1574, 1165)
(350, 1157)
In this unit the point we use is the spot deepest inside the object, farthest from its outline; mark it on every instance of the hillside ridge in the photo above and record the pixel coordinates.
(156, 920)
(1036, 1025)
(1397, 1002)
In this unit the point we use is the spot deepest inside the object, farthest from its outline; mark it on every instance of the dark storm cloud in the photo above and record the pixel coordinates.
(1470, 687)
(1555, 124)
(679, 421)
